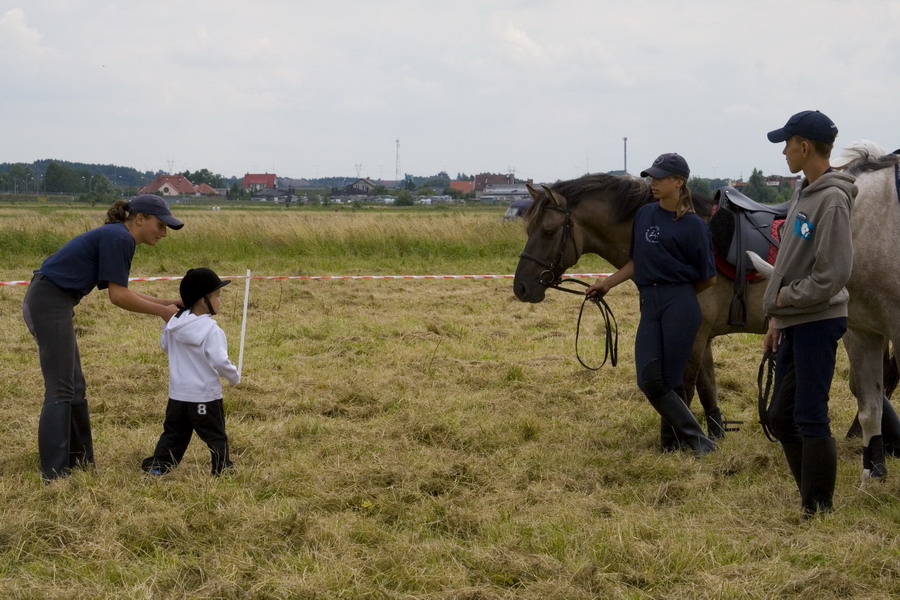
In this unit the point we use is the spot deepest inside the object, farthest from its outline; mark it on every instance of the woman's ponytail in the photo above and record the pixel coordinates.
(118, 212)
(685, 200)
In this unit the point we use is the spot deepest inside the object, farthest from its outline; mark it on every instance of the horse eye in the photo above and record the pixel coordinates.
(549, 233)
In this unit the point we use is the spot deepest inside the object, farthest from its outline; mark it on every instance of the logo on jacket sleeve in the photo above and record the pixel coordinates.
(803, 226)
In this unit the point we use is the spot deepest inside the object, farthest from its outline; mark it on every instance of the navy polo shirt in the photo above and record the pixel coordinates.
(93, 258)
(668, 251)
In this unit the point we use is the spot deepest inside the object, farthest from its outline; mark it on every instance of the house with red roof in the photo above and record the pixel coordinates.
(464, 187)
(259, 181)
(177, 185)
(169, 185)
(485, 179)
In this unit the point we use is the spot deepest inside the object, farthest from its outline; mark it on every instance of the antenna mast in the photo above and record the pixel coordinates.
(397, 172)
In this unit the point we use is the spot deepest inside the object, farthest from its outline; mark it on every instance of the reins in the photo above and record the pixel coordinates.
(548, 278)
(610, 326)
(764, 378)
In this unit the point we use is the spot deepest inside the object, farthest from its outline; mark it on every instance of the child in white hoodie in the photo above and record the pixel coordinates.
(198, 357)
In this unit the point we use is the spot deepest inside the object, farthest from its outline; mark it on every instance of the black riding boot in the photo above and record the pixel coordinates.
(818, 474)
(54, 431)
(668, 441)
(687, 430)
(81, 445)
(793, 452)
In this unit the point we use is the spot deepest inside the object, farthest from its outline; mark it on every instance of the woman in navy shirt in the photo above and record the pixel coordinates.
(98, 258)
(671, 262)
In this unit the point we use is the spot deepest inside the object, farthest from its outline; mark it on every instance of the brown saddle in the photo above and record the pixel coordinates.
(740, 224)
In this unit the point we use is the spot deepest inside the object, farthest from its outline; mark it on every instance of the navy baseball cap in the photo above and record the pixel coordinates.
(811, 124)
(149, 204)
(668, 164)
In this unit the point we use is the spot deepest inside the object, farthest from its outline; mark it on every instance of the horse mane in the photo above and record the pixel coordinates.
(630, 193)
(863, 156)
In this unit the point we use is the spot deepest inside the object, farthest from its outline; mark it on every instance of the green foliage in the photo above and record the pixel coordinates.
(204, 176)
(699, 186)
(59, 178)
(404, 198)
(757, 188)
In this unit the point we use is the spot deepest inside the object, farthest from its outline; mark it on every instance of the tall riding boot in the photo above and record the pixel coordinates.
(668, 441)
(687, 430)
(818, 474)
(54, 430)
(81, 445)
(793, 451)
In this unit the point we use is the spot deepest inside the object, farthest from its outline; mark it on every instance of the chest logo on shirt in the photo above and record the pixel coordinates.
(652, 234)
(803, 226)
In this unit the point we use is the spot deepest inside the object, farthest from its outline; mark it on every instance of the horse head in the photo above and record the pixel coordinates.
(550, 248)
(590, 214)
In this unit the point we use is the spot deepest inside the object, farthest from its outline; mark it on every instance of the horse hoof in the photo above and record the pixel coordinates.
(714, 424)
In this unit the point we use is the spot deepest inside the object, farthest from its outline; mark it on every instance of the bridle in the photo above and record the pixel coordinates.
(548, 278)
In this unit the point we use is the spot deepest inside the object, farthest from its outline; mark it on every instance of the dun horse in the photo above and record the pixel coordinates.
(594, 214)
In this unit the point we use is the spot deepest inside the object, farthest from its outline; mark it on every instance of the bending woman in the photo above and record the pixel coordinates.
(671, 262)
(98, 258)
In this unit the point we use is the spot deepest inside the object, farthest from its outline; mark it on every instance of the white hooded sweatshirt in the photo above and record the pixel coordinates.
(198, 356)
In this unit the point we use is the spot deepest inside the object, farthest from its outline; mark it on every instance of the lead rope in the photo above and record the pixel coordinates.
(610, 326)
(766, 373)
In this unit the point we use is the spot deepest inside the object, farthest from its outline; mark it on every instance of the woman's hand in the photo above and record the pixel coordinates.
(598, 289)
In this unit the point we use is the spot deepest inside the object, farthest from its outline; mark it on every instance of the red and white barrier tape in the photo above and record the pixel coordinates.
(334, 277)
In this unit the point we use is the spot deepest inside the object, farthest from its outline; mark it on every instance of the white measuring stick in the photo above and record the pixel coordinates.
(244, 323)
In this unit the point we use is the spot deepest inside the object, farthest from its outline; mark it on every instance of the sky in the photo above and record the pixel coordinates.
(545, 89)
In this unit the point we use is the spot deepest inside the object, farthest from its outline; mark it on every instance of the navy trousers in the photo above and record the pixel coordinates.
(670, 317)
(64, 429)
(804, 368)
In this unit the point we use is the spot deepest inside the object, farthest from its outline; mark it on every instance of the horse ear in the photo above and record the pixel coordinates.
(533, 192)
(557, 198)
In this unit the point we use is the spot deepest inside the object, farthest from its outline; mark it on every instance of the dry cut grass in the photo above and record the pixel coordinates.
(415, 439)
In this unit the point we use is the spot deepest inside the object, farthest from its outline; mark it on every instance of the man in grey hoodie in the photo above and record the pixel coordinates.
(806, 301)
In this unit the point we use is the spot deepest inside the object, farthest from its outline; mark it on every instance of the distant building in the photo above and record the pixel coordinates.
(482, 181)
(362, 186)
(464, 187)
(177, 185)
(503, 193)
(259, 181)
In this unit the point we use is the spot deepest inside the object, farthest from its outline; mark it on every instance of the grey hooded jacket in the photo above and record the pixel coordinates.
(816, 254)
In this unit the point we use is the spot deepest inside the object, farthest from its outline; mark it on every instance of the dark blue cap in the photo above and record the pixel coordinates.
(810, 124)
(149, 204)
(668, 164)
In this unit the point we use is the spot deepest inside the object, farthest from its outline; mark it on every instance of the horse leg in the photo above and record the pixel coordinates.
(866, 353)
(709, 394)
(888, 416)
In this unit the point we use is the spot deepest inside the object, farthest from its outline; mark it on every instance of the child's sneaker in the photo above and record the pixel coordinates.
(156, 472)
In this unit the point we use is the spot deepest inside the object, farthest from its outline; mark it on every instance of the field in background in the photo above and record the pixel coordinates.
(405, 439)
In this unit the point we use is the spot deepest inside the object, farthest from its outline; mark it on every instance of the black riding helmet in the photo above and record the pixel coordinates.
(199, 283)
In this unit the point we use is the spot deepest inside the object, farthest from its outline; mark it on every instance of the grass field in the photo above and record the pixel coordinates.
(430, 439)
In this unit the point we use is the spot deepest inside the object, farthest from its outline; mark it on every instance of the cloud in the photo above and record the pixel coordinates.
(521, 48)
